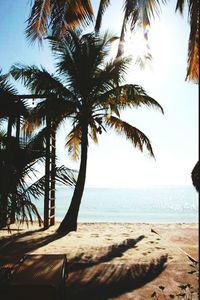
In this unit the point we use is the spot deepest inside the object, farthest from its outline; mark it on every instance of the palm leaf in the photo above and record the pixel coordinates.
(73, 142)
(139, 13)
(134, 96)
(25, 210)
(137, 137)
(63, 175)
(193, 43)
(10, 103)
(57, 16)
(39, 81)
(93, 132)
(107, 78)
(180, 5)
(142, 12)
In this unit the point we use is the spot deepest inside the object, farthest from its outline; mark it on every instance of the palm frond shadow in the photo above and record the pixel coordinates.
(26, 242)
(102, 279)
(116, 250)
(99, 278)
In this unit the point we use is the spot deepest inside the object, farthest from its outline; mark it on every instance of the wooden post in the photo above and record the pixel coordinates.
(53, 171)
(47, 174)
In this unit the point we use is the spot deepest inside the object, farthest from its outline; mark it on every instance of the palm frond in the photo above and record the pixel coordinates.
(193, 44)
(137, 137)
(73, 142)
(5, 85)
(93, 133)
(38, 20)
(57, 16)
(63, 175)
(10, 103)
(138, 13)
(36, 119)
(106, 78)
(180, 5)
(142, 12)
(25, 210)
(39, 80)
(130, 95)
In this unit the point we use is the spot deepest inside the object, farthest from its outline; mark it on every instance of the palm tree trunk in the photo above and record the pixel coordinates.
(69, 222)
(120, 50)
(18, 129)
(9, 128)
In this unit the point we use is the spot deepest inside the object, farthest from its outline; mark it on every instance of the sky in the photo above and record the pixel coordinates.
(114, 162)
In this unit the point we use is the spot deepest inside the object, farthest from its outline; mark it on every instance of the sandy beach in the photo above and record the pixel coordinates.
(117, 260)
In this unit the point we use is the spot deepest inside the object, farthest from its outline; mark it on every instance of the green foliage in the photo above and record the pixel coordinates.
(17, 165)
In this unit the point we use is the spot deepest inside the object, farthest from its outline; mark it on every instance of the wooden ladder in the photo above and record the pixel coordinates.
(50, 168)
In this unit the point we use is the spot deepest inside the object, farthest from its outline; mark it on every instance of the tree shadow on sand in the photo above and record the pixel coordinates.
(21, 243)
(113, 251)
(99, 277)
(102, 279)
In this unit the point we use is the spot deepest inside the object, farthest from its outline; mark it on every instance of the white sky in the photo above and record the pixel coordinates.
(174, 136)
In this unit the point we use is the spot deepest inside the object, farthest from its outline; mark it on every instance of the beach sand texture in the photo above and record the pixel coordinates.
(117, 260)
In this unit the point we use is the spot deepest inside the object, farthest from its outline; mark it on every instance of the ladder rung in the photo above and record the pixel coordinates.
(51, 208)
(50, 217)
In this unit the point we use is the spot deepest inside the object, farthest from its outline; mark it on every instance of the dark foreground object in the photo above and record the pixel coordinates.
(40, 277)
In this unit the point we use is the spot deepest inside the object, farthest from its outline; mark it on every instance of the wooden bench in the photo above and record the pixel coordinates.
(34, 277)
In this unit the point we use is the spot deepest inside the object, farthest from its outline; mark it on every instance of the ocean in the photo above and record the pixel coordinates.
(159, 204)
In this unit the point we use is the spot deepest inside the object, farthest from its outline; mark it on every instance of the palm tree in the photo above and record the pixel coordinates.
(135, 13)
(12, 109)
(87, 93)
(58, 15)
(17, 164)
(142, 12)
(17, 156)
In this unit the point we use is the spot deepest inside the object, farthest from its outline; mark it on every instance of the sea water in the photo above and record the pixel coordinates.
(159, 204)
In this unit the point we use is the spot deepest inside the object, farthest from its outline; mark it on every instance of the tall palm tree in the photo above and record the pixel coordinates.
(91, 98)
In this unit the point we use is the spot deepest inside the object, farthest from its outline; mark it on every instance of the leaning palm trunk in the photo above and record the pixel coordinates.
(69, 222)
(120, 50)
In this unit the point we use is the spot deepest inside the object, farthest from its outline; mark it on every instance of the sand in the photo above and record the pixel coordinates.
(117, 260)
